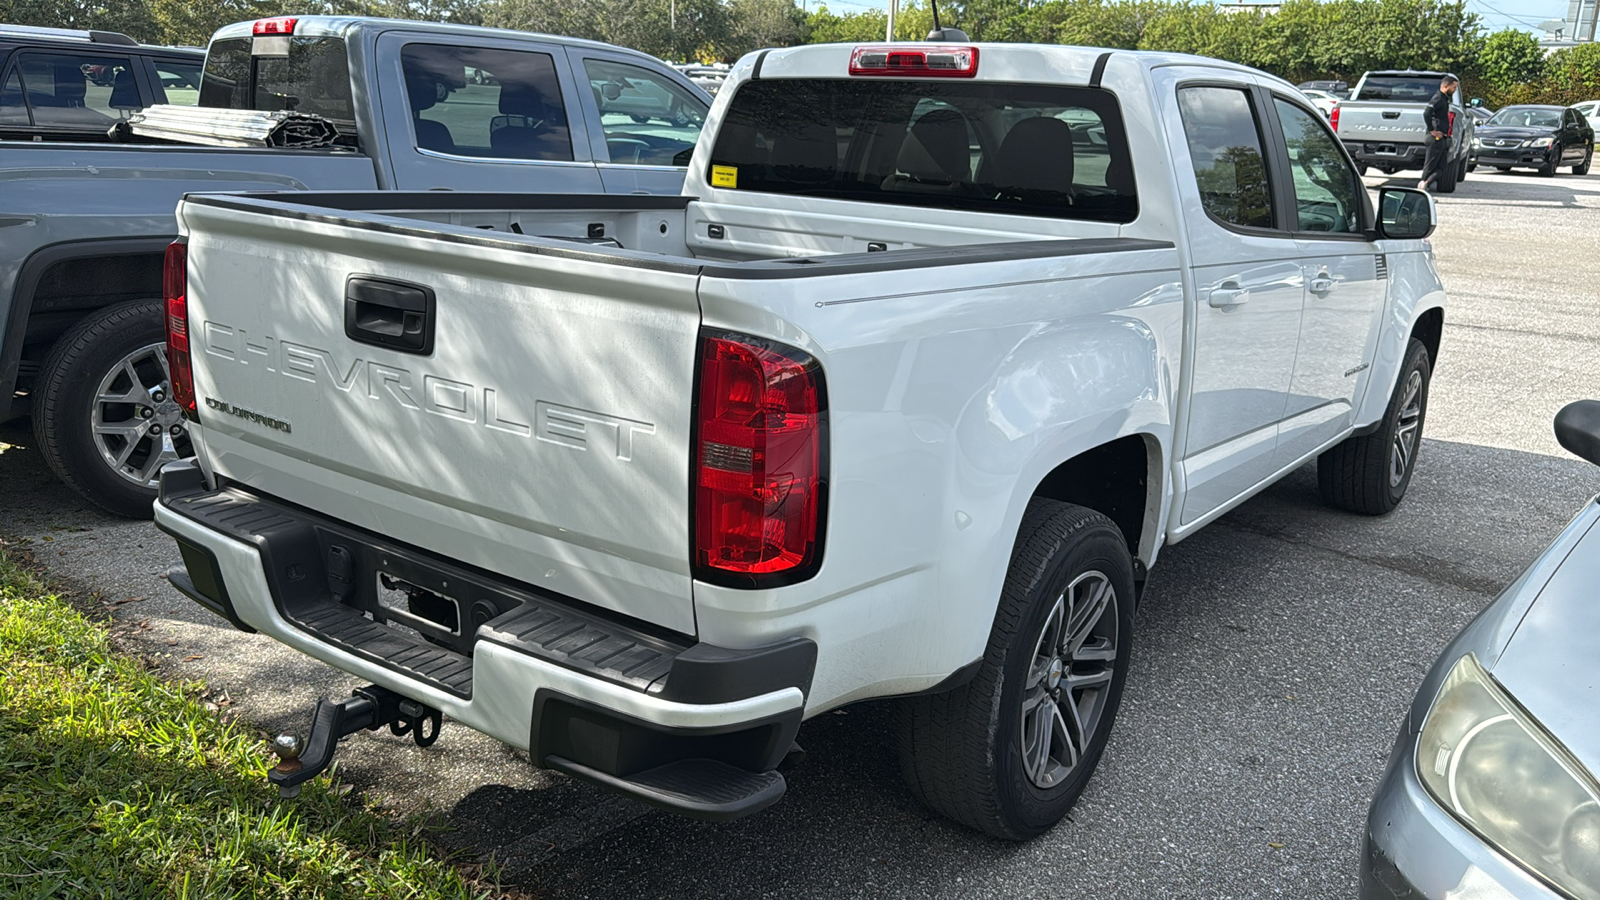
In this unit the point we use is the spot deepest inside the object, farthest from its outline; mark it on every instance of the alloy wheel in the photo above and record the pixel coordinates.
(1405, 437)
(1069, 679)
(137, 427)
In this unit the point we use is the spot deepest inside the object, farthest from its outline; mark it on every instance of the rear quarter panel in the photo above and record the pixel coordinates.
(952, 392)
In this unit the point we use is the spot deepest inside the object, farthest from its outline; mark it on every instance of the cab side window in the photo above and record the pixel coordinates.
(81, 93)
(1326, 189)
(493, 104)
(1225, 148)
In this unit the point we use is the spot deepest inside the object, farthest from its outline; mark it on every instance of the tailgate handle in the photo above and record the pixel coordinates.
(387, 313)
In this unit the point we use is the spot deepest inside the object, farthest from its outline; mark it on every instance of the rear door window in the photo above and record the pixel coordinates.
(497, 104)
(1038, 150)
(13, 108)
(647, 119)
(1225, 150)
(180, 81)
(77, 92)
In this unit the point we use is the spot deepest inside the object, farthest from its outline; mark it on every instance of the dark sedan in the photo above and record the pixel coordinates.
(1539, 137)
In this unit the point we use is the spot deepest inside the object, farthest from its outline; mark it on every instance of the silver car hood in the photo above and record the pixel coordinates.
(1551, 665)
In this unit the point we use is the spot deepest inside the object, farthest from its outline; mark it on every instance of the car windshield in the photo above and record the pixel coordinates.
(1527, 118)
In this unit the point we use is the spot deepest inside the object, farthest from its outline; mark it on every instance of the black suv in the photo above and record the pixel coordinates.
(61, 85)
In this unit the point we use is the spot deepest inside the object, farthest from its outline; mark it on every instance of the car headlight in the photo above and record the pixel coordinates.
(1540, 142)
(1488, 762)
(1476, 143)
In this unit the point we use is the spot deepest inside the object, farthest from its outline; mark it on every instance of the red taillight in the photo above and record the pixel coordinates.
(175, 289)
(759, 479)
(919, 62)
(1333, 117)
(278, 25)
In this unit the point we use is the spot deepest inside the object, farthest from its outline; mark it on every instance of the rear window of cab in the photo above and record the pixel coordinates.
(1020, 149)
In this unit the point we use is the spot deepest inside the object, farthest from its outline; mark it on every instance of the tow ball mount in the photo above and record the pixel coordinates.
(368, 708)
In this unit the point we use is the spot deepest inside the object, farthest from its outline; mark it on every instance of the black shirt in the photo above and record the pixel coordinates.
(1437, 114)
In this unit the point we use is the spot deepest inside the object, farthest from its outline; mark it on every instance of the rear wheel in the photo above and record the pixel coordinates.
(104, 417)
(1370, 474)
(1009, 752)
(1446, 182)
(1583, 167)
(1462, 169)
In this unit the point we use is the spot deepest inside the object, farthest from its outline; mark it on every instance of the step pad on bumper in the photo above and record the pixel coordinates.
(583, 643)
(706, 789)
(348, 629)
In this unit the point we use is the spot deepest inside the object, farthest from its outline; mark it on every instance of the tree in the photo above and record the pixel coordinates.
(1510, 57)
(131, 17)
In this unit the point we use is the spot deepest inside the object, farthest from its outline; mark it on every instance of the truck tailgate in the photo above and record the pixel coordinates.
(1378, 120)
(526, 413)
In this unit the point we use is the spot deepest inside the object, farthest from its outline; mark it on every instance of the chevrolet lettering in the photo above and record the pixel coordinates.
(912, 427)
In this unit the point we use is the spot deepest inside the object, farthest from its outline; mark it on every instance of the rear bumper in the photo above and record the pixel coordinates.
(587, 692)
(1391, 154)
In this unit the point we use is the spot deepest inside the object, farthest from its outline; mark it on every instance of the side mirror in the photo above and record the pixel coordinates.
(1475, 102)
(1406, 214)
(1578, 429)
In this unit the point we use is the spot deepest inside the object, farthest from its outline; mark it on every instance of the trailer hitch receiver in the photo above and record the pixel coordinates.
(368, 708)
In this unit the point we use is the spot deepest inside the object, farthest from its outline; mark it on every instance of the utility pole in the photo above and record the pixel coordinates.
(1594, 17)
(672, 15)
(889, 36)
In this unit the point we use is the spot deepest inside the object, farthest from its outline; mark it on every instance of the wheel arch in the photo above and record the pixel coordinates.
(1429, 329)
(58, 285)
(1120, 479)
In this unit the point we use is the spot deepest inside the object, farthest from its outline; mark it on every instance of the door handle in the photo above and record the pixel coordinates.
(1228, 295)
(391, 314)
(1321, 284)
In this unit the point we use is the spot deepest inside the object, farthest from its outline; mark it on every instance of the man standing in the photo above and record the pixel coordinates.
(1436, 118)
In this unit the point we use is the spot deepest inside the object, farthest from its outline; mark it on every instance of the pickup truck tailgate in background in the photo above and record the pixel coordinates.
(528, 414)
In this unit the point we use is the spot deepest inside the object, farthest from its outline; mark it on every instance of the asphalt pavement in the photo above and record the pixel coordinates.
(1275, 651)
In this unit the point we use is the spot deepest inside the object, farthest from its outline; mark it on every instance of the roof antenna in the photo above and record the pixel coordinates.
(944, 35)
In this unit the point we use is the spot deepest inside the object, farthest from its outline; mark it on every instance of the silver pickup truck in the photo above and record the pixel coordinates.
(1382, 125)
(83, 226)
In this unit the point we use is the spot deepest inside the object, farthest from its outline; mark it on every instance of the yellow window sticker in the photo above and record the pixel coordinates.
(724, 176)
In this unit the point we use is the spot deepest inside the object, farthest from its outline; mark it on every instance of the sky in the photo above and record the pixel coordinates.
(1496, 14)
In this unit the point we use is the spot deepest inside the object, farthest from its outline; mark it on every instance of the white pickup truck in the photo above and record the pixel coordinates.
(902, 398)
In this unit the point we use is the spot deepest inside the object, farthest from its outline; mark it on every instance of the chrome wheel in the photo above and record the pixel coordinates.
(1069, 679)
(137, 426)
(1405, 436)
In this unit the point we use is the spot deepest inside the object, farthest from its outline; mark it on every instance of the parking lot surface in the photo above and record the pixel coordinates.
(1274, 653)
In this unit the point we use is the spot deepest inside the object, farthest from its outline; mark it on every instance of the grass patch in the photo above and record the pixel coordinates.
(117, 783)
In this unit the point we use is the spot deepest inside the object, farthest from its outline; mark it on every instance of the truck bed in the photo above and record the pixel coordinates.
(545, 434)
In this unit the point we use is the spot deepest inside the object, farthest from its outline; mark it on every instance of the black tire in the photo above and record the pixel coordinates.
(962, 752)
(1360, 474)
(1361, 168)
(1446, 183)
(1548, 170)
(67, 407)
(1503, 168)
(1472, 167)
(1462, 170)
(1583, 167)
